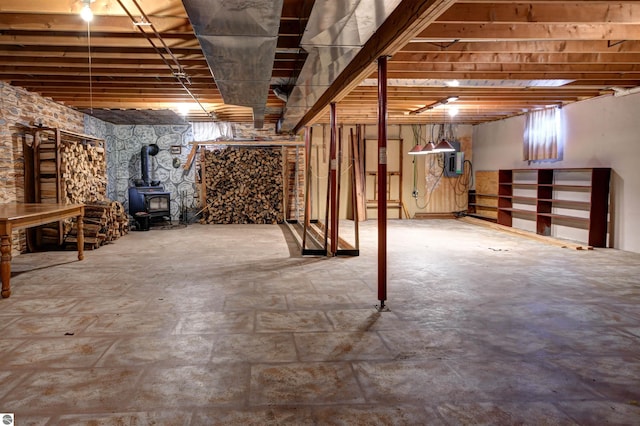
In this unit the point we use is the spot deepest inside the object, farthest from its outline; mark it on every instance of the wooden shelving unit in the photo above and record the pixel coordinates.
(483, 206)
(577, 197)
(483, 200)
(62, 167)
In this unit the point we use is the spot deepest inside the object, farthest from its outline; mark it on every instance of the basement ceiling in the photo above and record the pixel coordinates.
(500, 58)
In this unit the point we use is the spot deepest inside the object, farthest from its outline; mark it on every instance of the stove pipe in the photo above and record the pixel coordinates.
(145, 152)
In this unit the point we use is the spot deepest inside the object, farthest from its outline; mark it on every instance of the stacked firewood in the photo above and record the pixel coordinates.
(104, 221)
(83, 172)
(69, 170)
(243, 185)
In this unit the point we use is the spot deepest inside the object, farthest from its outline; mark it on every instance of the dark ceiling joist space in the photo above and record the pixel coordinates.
(506, 56)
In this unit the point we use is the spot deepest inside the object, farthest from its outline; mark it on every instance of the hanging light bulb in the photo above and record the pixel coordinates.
(86, 14)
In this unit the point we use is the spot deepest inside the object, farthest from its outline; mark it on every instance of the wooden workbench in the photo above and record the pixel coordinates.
(16, 216)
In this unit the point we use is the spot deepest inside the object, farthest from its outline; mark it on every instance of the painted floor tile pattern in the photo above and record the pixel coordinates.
(227, 325)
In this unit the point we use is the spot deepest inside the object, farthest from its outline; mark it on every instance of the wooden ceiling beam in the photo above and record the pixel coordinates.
(538, 46)
(150, 7)
(46, 51)
(52, 23)
(99, 61)
(81, 50)
(477, 95)
(85, 98)
(103, 72)
(558, 12)
(555, 75)
(81, 40)
(528, 58)
(60, 36)
(429, 67)
(84, 101)
(115, 80)
(489, 90)
(81, 87)
(97, 71)
(493, 31)
(55, 24)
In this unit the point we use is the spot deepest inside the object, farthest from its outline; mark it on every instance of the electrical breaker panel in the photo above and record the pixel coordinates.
(454, 161)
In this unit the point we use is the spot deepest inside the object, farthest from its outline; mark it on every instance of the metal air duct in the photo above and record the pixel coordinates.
(334, 35)
(238, 39)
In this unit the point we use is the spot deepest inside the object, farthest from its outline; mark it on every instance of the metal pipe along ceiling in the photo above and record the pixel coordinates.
(238, 39)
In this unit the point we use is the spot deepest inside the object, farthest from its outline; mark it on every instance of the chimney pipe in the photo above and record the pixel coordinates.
(145, 152)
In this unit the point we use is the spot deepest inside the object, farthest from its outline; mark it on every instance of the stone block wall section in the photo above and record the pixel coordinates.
(19, 107)
(124, 142)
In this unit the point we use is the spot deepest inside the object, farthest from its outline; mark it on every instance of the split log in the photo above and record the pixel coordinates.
(104, 221)
(83, 172)
(243, 185)
(70, 168)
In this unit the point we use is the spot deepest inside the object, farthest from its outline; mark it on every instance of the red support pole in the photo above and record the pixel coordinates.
(333, 189)
(308, 137)
(382, 181)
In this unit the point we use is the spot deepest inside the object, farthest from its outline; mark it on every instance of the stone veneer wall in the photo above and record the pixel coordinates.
(19, 106)
(124, 143)
(123, 157)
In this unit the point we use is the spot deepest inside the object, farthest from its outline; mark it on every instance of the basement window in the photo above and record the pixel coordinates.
(542, 136)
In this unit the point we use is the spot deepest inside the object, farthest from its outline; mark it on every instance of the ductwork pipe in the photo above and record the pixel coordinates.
(619, 91)
(145, 152)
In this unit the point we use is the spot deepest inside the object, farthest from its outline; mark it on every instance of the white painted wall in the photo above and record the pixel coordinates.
(600, 132)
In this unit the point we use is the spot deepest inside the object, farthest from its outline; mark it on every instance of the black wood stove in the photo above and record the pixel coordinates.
(148, 199)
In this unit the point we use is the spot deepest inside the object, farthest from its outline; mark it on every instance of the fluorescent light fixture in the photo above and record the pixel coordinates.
(453, 111)
(434, 105)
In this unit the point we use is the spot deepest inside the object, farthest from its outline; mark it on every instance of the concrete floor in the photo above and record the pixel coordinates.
(223, 325)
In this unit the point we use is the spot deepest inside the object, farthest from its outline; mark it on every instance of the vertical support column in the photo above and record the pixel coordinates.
(297, 184)
(333, 187)
(307, 186)
(356, 194)
(382, 181)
